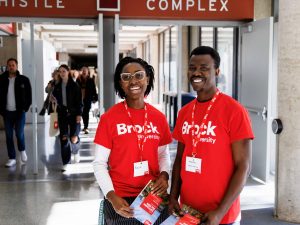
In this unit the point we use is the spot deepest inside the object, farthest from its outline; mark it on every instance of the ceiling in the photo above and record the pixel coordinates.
(77, 39)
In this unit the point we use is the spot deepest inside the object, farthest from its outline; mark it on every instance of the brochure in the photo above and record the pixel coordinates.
(147, 207)
(190, 217)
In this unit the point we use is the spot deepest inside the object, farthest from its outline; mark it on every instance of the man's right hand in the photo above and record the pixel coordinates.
(174, 206)
(120, 205)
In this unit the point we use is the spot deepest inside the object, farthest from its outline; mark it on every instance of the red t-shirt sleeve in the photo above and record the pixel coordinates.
(103, 134)
(166, 133)
(240, 125)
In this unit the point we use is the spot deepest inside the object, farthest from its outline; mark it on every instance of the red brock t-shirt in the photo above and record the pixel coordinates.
(227, 122)
(115, 133)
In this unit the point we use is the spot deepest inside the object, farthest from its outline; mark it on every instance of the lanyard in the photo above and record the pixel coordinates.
(141, 140)
(196, 139)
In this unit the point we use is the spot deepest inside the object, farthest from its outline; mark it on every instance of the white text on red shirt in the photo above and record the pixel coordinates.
(208, 129)
(123, 128)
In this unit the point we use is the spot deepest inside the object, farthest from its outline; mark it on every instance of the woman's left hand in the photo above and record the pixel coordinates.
(161, 184)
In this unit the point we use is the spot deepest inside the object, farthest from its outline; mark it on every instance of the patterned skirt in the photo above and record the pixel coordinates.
(112, 218)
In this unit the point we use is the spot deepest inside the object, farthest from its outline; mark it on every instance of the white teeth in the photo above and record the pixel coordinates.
(198, 80)
(134, 88)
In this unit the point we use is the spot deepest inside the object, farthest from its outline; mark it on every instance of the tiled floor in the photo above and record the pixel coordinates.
(72, 198)
(50, 197)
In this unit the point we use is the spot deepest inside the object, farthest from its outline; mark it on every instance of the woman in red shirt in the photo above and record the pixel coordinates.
(131, 144)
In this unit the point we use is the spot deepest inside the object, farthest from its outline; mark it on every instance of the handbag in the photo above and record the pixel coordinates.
(53, 129)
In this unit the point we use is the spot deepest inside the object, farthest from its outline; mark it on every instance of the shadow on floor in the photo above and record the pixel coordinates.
(261, 217)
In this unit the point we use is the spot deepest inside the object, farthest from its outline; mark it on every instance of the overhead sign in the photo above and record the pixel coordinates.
(8, 28)
(131, 9)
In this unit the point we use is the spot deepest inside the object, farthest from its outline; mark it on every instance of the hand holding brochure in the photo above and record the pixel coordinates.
(147, 207)
(190, 217)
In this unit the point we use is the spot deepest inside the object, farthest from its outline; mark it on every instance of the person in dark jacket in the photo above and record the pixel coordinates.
(89, 95)
(15, 100)
(67, 96)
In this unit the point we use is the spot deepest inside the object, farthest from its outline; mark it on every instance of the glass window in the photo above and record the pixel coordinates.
(167, 59)
(161, 66)
(225, 49)
(146, 51)
(207, 36)
(173, 69)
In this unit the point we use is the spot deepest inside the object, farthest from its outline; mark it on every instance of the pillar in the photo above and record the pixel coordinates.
(288, 199)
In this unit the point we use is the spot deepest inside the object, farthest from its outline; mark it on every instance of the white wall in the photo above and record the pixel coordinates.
(46, 62)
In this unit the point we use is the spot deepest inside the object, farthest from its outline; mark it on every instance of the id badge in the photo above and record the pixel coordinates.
(193, 164)
(140, 168)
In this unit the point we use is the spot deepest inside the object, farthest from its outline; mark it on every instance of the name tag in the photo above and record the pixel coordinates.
(140, 168)
(193, 164)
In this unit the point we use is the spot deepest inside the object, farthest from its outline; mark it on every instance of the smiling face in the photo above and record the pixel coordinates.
(136, 86)
(202, 73)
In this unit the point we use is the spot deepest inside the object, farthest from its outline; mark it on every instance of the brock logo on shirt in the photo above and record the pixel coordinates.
(123, 128)
(208, 129)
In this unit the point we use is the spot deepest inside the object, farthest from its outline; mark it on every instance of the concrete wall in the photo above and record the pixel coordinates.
(9, 49)
(262, 9)
(289, 111)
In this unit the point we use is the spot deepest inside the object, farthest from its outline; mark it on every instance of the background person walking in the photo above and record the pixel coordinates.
(67, 95)
(15, 100)
(89, 95)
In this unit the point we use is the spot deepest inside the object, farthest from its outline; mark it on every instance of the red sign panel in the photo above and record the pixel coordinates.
(108, 5)
(189, 9)
(131, 9)
(8, 28)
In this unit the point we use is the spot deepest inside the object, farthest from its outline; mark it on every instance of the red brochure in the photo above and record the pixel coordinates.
(151, 203)
(188, 219)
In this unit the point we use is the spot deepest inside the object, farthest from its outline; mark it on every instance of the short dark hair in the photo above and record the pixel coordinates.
(123, 62)
(206, 50)
(12, 59)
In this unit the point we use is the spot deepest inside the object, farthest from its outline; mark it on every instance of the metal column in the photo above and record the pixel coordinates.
(179, 66)
(109, 50)
(117, 24)
(33, 107)
(100, 64)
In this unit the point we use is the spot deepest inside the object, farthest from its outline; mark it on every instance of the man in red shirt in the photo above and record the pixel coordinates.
(214, 146)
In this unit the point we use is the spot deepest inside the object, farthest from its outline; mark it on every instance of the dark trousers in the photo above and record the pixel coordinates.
(85, 114)
(112, 218)
(68, 127)
(14, 120)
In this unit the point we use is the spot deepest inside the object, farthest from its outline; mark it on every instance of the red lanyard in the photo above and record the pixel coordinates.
(196, 139)
(141, 140)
